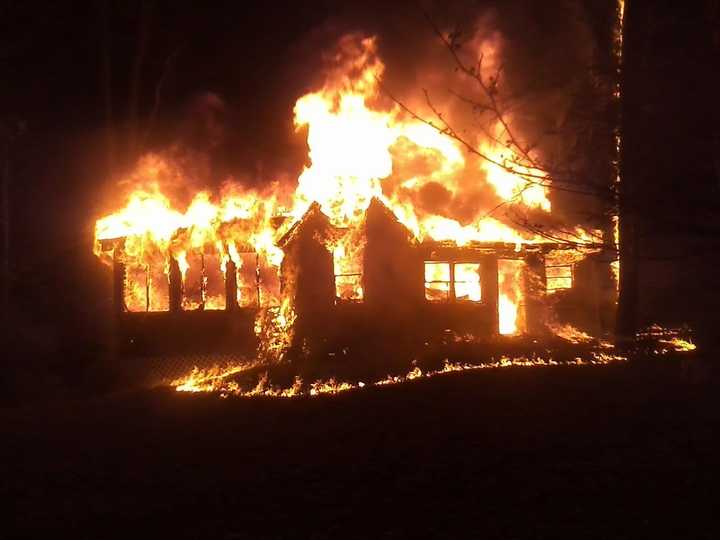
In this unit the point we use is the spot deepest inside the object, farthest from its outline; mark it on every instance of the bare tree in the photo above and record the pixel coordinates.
(520, 158)
(131, 118)
(488, 99)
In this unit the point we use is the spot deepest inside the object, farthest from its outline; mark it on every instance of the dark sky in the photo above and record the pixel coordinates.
(51, 54)
(254, 58)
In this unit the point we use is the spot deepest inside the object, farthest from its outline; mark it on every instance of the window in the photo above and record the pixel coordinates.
(445, 281)
(467, 282)
(437, 281)
(246, 279)
(348, 273)
(193, 279)
(348, 286)
(257, 283)
(145, 287)
(136, 288)
(558, 277)
(213, 282)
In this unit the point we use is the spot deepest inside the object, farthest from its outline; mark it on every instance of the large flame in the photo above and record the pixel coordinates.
(361, 146)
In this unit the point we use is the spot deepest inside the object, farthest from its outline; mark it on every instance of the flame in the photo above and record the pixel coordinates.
(681, 345)
(508, 315)
(510, 280)
(360, 146)
(467, 282)
(570, 333)
(510, 177)
(274, 327)
(355, 145)
(201, 239)
(615, 265)
(665, 340)
(217, 380)
(211, 379)
(347, 259)
(617, 134)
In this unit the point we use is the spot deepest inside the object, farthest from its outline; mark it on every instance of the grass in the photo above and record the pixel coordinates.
(618, 451)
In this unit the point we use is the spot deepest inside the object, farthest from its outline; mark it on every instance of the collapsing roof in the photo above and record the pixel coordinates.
(392, 280)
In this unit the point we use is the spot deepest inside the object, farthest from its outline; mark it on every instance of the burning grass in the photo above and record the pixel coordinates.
(222, 381)
(657, 340)
(348, 370)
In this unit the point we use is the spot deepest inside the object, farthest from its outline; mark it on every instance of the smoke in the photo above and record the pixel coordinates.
(543, 52)
(543, 57)
(205, 121)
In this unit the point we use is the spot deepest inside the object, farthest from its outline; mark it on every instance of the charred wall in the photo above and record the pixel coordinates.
(395, 308)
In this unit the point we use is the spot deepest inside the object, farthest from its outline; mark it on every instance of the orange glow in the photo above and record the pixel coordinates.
(467, 282)
(361, 146)
(510, 279)
(512, 180)
(437, 281)
(219, 379)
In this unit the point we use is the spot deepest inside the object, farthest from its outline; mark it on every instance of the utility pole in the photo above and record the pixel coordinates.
(626, 185)
(9, 131)
(5, 137)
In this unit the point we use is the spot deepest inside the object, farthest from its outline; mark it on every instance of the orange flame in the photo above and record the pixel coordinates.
(359, 148)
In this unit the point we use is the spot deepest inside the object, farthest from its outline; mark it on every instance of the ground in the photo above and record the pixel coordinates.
(618, 451)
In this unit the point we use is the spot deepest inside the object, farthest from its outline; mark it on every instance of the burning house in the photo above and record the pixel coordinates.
(390, 233)
(396, 286)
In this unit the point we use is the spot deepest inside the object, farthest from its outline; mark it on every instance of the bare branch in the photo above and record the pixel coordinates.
(446, 129)
(489, 89)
